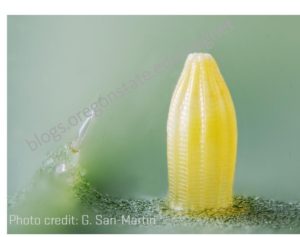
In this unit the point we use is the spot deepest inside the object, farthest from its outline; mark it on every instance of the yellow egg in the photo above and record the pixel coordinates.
(201, 138)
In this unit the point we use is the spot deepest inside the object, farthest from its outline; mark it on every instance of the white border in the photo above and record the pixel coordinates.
(3, 121)
(155, 7)
(115, 7)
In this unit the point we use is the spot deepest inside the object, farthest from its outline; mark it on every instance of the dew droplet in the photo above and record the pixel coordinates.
(61, 168)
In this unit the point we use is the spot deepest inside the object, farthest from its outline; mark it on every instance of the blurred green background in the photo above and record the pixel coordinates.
(59, 65)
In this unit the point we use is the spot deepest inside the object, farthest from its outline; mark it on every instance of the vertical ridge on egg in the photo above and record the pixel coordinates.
(201, 138)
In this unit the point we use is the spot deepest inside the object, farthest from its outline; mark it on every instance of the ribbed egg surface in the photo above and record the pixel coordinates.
(201, 138)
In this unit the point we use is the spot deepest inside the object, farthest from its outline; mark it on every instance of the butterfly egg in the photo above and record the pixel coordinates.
(201, 138)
